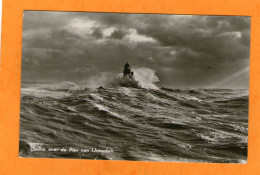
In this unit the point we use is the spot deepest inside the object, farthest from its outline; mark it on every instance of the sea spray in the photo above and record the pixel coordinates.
(146, 78)
(143, 78)
(54, 90)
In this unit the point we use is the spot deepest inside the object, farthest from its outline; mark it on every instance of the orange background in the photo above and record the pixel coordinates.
(10, 79)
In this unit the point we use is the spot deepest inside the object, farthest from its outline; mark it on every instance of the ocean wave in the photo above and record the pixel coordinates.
(137, 123)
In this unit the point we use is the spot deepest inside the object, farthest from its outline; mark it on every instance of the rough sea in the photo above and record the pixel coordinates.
(133, 122)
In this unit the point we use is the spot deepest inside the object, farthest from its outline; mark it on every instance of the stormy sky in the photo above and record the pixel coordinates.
(186, 51)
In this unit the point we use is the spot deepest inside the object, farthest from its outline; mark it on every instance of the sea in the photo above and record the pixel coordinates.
(135, 121)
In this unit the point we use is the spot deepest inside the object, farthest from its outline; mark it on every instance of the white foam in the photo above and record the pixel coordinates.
(188, 97)
(72, 108)
(96, 97)
(128, 92)
(104, 108)
(36, 92)
(101, 107)
(143, 77)
(146, 77)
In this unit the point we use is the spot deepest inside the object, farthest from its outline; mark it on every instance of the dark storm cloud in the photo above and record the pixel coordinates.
(97, 33)
(118, 34)
(185, 51)
(215, 36)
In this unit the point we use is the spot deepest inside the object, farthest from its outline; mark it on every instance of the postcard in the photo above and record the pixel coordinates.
(136, 87)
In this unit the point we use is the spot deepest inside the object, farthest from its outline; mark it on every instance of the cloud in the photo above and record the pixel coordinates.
(73, 46)
(118, 34)
(97, 33)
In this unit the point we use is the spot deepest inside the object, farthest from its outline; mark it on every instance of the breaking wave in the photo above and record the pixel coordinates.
(143, 78)
(135, 119)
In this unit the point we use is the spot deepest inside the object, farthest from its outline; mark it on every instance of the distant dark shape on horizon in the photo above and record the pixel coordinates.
(127, 71)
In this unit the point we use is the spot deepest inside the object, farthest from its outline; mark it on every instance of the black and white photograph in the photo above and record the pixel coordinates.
(134, 87)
